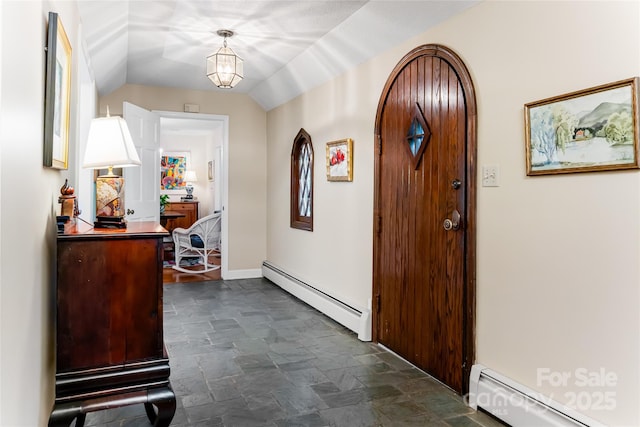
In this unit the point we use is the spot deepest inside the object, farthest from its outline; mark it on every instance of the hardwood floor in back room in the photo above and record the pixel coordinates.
(171, 276)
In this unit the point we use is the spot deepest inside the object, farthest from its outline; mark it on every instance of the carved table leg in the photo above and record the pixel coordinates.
(165, 400)
(80, 420)
(151, 413)
(63, 416)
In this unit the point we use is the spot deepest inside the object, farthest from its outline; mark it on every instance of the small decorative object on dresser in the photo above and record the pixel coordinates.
(68, 201)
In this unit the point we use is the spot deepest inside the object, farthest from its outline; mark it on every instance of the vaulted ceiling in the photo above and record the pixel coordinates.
(288, 47)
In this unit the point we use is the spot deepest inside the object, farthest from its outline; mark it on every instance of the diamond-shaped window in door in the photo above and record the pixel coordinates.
(418, 135)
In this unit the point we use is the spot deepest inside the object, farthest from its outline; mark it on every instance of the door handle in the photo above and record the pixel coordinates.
(452, 223)
(130, 211)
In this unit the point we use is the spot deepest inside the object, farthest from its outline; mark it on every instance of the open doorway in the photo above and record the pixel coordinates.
(205, 138)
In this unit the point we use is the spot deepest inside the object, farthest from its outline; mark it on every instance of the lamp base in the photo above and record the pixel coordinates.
(110, 197)
(113, 222)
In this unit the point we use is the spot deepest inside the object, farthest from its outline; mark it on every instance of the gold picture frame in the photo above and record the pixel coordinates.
(57, 96)
(340, 160)
(594, 129)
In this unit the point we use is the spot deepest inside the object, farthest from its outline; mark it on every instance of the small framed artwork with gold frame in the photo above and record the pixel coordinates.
(57, 95)
(340, 160)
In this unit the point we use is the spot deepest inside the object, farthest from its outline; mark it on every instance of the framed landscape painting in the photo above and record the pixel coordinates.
(593, 129)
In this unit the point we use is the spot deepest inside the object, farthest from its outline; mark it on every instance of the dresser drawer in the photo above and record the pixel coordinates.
(183, 207)
(190, 211)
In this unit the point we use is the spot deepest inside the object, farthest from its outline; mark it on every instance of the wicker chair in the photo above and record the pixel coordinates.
(201, 240)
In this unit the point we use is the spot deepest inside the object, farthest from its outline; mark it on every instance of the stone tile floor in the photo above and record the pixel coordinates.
(245, 353)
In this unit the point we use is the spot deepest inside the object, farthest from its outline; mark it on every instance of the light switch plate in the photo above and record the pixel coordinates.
(490, 176)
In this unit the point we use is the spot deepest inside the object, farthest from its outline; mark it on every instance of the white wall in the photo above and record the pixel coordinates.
(214, 155)
(1, 258)
(197, 146)
(27, 212)
(558, 281)
(87, 105)
(247, 153)
(337, 255)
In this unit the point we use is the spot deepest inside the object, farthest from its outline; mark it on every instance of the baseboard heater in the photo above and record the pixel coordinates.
(517, 405)
(356, 319)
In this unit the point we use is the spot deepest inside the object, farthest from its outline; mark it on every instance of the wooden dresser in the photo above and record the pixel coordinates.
(109, 333)
(190, 211)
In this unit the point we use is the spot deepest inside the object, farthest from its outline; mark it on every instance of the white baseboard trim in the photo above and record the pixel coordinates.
(518, 405)
(254, 273)
(354, 318)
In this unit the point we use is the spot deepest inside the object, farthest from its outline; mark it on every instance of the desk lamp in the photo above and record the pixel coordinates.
(109, 145)
(190, 177)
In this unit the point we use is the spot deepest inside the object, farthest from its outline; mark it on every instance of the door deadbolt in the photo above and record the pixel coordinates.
(452, 223)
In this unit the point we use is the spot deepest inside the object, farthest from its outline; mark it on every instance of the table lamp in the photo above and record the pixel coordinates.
(109, 145)
(190, 177)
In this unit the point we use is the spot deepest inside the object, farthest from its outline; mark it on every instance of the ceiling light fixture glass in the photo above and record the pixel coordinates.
(225, 68)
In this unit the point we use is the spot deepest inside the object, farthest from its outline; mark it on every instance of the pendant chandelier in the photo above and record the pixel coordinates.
(224, 67)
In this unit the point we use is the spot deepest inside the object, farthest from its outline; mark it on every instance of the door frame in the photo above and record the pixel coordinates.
(469, 281)
(222, 121)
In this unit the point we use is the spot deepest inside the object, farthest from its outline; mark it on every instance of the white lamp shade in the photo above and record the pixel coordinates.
(190, 176)
(110, 144)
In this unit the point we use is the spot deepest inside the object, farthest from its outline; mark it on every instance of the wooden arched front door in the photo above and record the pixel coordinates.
(424, 242)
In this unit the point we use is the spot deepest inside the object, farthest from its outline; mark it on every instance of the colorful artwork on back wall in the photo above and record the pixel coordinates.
(172, 169)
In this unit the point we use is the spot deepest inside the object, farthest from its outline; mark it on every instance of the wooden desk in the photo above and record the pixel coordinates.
(170, 215)
(167, 220)
(188, 209)
(110, 347)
